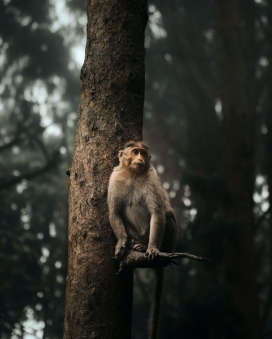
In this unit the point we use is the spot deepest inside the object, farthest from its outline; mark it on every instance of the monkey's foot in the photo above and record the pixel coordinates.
(139, 247)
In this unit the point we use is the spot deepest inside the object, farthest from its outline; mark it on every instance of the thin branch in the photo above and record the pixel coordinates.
(135, 259)
(13, 181)
(13, 142)
(20, 135)
(40, 145)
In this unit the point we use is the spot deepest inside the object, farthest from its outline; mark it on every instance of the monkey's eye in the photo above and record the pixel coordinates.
(143, 153)
(135, 151)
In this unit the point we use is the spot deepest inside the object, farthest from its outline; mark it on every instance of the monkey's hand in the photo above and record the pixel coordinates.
(152, 252)
(121, 248)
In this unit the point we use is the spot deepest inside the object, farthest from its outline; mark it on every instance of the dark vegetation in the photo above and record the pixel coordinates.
(183, 125)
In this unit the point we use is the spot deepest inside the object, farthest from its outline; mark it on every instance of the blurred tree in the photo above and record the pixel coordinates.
(235, 91)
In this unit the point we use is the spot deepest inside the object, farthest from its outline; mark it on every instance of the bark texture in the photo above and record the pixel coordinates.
(238, 159)
(99, 302)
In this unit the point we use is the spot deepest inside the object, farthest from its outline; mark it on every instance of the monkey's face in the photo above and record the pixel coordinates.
(135, 159)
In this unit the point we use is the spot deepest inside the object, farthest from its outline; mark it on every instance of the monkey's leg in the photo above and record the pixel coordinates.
(154, 318)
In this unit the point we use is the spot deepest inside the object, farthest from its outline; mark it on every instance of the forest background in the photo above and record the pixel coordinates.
(42, 50)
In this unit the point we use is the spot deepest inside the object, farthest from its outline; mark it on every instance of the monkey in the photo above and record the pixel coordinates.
(141, 215)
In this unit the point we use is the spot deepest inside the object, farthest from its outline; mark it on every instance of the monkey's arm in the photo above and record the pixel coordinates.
(157, 226)
(156, 206)
(120, 233)
(115, 204)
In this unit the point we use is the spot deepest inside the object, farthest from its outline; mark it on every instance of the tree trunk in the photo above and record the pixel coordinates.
(238, 161)
(99, 302)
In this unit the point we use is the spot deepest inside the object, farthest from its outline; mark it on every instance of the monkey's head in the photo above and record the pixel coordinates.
(135, 157)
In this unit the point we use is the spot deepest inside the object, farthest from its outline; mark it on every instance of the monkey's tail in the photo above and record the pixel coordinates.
(154, 318)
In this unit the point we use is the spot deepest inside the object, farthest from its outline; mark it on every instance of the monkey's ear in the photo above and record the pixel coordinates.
(149, 157)
(120, 154)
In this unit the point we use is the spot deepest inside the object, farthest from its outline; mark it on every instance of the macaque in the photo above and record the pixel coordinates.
(140, 213)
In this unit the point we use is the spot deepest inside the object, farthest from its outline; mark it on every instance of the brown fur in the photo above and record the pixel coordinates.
(140, 213)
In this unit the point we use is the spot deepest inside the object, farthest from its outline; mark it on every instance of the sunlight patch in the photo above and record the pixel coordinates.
(52, 130)
(155, 23)
(78, 54)
(37, 92)
(33, 329)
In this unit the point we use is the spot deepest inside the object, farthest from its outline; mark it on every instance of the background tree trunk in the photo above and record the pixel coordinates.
(98, 302)
(268, 151)
(238, 162)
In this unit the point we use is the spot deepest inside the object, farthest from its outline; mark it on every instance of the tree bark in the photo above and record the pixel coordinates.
(238, 161)
(99, 302)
